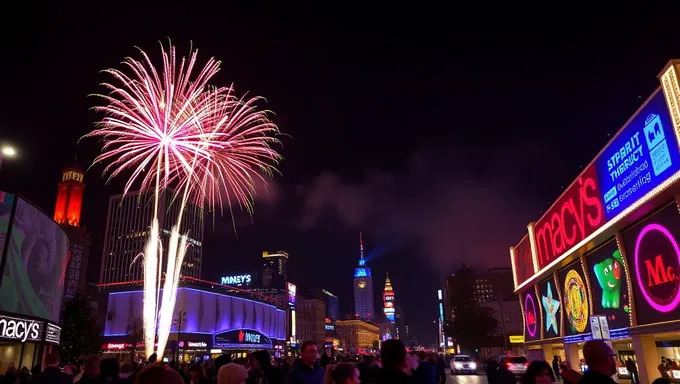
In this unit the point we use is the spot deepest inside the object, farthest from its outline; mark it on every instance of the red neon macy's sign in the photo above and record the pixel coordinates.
(575, 216)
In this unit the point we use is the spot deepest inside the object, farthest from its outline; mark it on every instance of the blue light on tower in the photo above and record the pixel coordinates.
(363, 287)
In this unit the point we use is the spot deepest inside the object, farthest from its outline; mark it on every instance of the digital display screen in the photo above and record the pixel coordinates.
(552, 308)
(532, 316)
(608, 285)
(642, 156)
(35, 264)
(575, 299)
(654, 258)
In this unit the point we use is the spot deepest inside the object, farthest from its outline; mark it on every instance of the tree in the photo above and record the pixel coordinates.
(473, 325)
(80, 334)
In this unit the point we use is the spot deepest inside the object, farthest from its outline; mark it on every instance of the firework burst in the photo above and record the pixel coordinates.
(172, 130)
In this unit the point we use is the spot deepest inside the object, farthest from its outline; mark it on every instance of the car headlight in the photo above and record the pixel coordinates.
(458, 365)
(473, 365)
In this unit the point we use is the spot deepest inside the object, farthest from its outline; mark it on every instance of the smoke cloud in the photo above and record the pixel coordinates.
(454, 204)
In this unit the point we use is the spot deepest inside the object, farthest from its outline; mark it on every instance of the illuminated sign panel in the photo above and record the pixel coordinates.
(575, 299)
(523, 263)
(608, 284)
(53, 334)
(292, 292)
(241, 337)
(642, 156)
(576, 215)
(237, 280)
(20, 329)
(654, 256)
(516, 339)
(552, 308)
(532, 316)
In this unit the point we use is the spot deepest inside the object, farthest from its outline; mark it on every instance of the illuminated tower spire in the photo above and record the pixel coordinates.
(361, 249)
(363, 286)
(388, 300)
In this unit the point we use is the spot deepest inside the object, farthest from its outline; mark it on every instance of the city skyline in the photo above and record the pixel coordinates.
(439, 155)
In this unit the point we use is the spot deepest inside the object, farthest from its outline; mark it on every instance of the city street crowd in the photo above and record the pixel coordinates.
(394, 364)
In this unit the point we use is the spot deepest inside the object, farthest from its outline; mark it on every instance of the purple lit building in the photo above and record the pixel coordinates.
(206, 324)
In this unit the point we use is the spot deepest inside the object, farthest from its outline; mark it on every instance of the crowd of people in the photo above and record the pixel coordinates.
(394, 365)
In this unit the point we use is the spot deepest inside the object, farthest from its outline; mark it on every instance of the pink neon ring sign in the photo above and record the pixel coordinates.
(533, 308)
(656, 227)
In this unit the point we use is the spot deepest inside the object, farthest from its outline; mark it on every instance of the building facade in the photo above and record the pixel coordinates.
(357, 335)
(331, 302)
(67, 209)
(310, 320)
(363, 287)
(127, 230)
(206, 322)
(493, 285)
(274, 270)
(602, 262)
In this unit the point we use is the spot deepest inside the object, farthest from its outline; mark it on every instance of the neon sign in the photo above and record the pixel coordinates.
(642, 156)
(657, 273)
(551, 307)
(575, 216)
(237, 280)
(576, 301)
(530, 315)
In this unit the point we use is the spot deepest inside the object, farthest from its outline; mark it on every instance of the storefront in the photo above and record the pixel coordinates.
(33, 257)
(25, 341)
(604, 261)
(213, 324)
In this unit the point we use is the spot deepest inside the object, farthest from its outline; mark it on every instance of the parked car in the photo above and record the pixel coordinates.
(515, 364)
(463, 364)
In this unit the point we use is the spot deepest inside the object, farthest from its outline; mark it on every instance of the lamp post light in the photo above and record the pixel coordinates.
(7, 151)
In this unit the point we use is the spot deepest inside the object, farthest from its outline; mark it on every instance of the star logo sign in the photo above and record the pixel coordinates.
(551, 307)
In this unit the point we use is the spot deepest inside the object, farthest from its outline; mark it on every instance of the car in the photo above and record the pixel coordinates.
(463, 364)
(515, 364)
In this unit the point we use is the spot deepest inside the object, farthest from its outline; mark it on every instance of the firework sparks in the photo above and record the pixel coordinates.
(173, 130)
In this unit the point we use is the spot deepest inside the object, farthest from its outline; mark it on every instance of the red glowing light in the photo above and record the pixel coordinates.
(575, 216)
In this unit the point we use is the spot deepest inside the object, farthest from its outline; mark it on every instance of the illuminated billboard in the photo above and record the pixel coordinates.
(609, 285)
(292, 292)
(35, 261)
(575, 299)
(575, 216)
(642, 156)
(654, 256)
(552, 308)
(532, 316)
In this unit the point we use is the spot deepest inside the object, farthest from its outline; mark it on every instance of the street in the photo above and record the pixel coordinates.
(466, 379)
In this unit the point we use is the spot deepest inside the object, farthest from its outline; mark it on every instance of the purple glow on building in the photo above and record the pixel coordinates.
(206, 312)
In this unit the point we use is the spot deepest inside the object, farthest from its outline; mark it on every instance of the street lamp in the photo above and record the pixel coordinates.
(7, 151)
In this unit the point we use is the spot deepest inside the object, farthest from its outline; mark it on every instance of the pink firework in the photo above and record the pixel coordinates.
(245, 153)
(173, 129)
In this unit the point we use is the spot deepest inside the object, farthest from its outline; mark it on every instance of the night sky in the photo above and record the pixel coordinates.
(440, 133)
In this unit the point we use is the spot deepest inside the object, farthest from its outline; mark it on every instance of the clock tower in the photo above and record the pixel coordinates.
(69, 197)
(363, 287)
(67, 213)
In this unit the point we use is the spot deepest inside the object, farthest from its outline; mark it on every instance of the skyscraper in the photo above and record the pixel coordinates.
(274, 270)
(363, 287)
(331, 301)
(127, 230)
(67, 213)
(388, 301)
